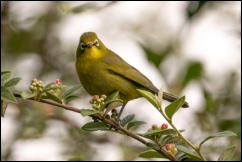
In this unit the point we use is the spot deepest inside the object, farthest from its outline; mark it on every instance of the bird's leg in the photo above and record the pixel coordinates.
(119, 115)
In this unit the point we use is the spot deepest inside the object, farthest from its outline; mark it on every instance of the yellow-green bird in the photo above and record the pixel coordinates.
(101, 71)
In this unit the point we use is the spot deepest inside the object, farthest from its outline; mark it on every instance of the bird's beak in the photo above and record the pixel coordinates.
(89, 45)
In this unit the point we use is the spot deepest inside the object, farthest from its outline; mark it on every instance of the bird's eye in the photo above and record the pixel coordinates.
(96, 43)
(82, 46)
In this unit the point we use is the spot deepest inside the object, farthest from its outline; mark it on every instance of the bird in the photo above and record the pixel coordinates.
(102, 71)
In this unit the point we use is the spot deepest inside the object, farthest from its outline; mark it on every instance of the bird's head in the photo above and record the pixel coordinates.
(89, 43)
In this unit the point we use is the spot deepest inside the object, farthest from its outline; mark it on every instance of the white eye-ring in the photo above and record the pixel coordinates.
(82, 46)
(96, 43)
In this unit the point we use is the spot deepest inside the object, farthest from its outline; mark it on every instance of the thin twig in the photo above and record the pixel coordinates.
(110, 122)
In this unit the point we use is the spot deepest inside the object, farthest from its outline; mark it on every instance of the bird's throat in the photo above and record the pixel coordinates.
(93, 53)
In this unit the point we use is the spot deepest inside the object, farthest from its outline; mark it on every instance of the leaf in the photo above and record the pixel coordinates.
(75, 159)
(95, 126)
(152, 145)
(7, 95)
(174, 106)
(190, 153)
(151, 154)
(228, 154)
(4, 105)
(111, 97)
(70, 98)
(53, 97)
(5, 75)
(194, 71)
(86, 112)
(149, 96)
(12, 82)
(126, 119)
(26, 95)
(70, 91)
(135, 124)
(159, 132)
(174, 139)
(218, 134)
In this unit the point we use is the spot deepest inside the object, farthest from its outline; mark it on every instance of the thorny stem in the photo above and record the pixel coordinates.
(110, 122)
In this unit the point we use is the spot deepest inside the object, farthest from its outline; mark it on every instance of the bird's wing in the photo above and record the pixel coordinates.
(118, 66)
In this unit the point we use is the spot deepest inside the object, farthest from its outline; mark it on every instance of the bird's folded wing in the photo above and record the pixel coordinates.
(118, 66)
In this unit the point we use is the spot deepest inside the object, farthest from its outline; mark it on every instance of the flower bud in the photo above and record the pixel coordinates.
(104, 96)
(168, 146)
(114, 111)
(150, 129)
(34, 80)
(58, 81)
(154, 126)
(34, 83)
(164, 126)
(95, 97)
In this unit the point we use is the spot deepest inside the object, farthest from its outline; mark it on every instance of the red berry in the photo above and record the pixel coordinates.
(58, 81)
(164, 126)
(168, 146)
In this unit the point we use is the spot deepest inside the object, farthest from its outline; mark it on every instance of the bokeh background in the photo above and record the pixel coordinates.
(187, 48)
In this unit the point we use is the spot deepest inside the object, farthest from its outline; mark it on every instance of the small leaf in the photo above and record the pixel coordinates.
(53, 97)
(149, 96)
(26, 95)
(159, 132)
(70, 91)
(12, 82)
(228, 154)
(151, 154)
(95, 126)
(5, 75)
(75, 159)
(70, 98)
(135, 124)
(152, 145)
(86, 112)
(174, 106)
(218, 134)
(4, 105)
(126, 119)
(7, 95)
(174, 139)
(111, 97)
(190, 153)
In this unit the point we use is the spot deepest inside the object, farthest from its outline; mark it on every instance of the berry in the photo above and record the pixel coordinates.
(58, 81)
(164, 126)
(154, 126)
(168, 146)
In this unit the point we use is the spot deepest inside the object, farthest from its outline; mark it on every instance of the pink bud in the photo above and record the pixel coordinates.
(95, 97)
(34, 80)
(58, 81)
(164, 126)
(168, 146)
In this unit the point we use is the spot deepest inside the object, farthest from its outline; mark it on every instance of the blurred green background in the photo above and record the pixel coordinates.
(187, 48)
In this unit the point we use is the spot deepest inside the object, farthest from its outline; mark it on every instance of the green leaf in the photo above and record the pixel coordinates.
(75, 159)
(159, 132)
(151, 154)
(53, 97)
(174, 139)
(26, 95)
(126, 119)
(218, 134)
(12, 82)
(174, 106)
(5, 75)
(111, 97)
(194, 71)
(149, 96)
(228, 154)
(190, 153)
(7, 95)
(152, 145)
(70, 98)
(4, 105)
(86, 112)
(95, 126)
(70, 91)
(135, 124)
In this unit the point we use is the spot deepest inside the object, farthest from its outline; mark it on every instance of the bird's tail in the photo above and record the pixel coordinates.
(171, 98)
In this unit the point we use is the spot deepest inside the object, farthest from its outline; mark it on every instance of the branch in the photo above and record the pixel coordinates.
(107, 121)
